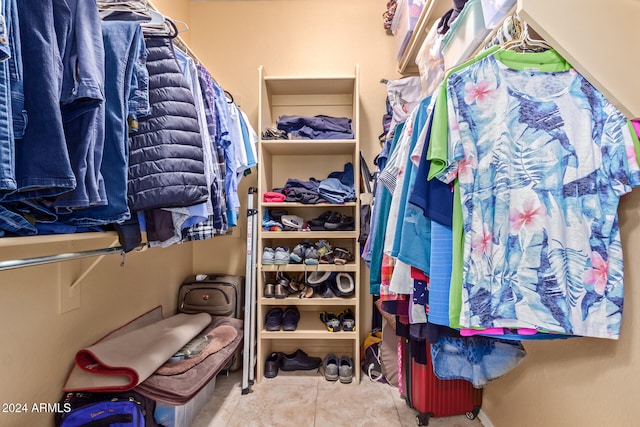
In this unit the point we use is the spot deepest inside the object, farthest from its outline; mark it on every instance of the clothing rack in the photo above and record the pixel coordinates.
(49, 259)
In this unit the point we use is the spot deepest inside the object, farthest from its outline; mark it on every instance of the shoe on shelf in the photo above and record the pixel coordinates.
(299, 361)
(268, 256)
(272, 364)
(269, 290)
(331, 321)
(330, 367)
(290, 318)
(317, 224)
(273, 319)
(337, 221)
(345, 370)
(297, 254)
(281, 255)
(311, 256)
(344, 285)
(347, 320)
(282, 289)
(341, 256)
(325, 252)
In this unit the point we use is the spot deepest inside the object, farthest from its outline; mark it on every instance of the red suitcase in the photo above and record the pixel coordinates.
(433, 397)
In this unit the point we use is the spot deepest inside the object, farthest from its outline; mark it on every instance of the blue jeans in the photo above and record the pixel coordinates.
(42, 163)
(7, 148)
(15, 69)
(82, 106)
(126, 94)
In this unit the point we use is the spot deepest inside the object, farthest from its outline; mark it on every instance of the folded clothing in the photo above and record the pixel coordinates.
(273, 197)
(316, 127)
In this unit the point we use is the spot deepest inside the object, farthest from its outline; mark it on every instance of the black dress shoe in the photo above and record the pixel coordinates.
(272, 364)
(299, 361)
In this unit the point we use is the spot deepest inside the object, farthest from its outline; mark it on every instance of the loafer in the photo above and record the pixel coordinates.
(345, 370)
(290, 317)
(299, 361)
(272, 364)
(273, 319)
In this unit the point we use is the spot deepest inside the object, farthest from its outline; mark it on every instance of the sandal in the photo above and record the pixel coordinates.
(325, 252)
(331, 321)
(307, 292)
(342, 256)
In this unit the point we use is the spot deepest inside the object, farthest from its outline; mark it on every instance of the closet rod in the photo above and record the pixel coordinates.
(28, 262)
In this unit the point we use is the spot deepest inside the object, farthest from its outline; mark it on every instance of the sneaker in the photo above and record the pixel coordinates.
(268, 256)
(311, 256)
(299, 361)
(297, 255)
(281, 255)
(330, 365)
(345, 370)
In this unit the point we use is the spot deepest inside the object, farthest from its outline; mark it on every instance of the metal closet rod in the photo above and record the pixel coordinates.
(28, 262)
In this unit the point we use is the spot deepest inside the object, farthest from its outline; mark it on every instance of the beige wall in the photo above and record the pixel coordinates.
(39, 343)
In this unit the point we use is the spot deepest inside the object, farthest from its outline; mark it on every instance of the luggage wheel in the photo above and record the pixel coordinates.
(473, 413)
(422, 419)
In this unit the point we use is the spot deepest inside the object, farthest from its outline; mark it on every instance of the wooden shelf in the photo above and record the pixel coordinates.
(306, 205)
(294, 85)
(55, 238)
(309, 327)
(293, 300)
(309, 268)
(433, 10)
(305, 147)
(309, 235)
(281, 160)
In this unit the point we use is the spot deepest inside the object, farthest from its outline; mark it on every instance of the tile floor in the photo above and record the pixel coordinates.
(303, 399)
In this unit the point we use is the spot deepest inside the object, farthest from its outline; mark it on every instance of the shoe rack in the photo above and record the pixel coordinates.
(280, 160)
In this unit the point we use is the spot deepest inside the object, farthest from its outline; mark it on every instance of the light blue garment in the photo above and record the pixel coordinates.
(7, 147)
(412, 239)
(379, 226)
(475, 359)
(440, 276)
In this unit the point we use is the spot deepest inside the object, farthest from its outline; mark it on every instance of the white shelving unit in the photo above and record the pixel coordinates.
(280, 160)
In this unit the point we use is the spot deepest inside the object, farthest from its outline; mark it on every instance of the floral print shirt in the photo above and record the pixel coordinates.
(542, 159)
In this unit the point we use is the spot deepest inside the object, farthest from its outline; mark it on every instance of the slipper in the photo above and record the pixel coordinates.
(273, 320)
(316, 278)
(331, 321)
(344, 284)
(290, 318)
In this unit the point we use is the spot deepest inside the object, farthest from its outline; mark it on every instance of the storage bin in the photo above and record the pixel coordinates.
(184, 415)
(495, 11)
(466, 34)
(404, 23)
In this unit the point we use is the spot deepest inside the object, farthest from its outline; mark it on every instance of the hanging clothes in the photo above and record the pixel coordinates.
(540, 174)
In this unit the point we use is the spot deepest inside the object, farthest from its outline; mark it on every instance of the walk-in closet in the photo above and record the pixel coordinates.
(319, 212)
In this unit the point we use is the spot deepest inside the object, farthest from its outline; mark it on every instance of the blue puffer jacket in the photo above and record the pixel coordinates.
(166, 167)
